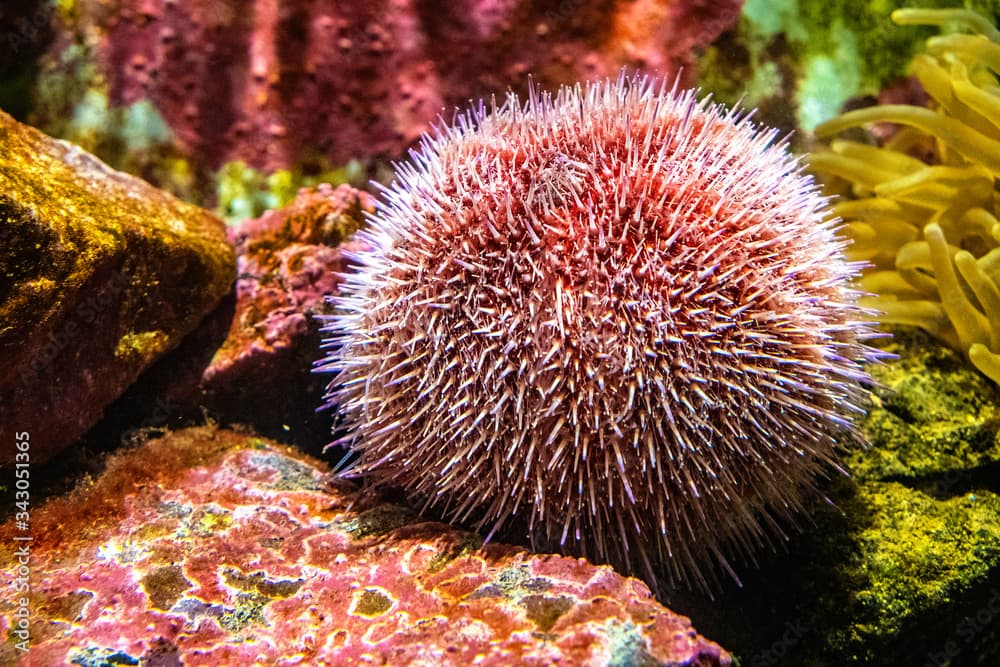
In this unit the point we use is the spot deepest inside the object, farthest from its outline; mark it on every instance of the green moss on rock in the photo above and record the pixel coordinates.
(101, 274)
(377, 521)
(545, 610)
(372, 602)
(165, 585)
(257, 581)
(918, 554)
(936, 417)
(244, 192)
(907, 556)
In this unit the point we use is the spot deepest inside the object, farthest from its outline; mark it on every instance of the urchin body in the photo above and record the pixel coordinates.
(617, 315)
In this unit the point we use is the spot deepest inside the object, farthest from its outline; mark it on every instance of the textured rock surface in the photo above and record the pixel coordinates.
(906, 569)
(210, 547)
(100, 275)
(263, 81)
(251, 360)
(288, 262)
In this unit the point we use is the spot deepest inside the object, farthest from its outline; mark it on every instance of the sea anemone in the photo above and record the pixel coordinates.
(617, 317)
(928, 224)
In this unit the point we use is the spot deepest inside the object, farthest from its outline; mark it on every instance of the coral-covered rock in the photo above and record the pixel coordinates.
(210, 547)
(100, 275)
(251, 360)
(906, 569)
(265, 82)
(288, 262)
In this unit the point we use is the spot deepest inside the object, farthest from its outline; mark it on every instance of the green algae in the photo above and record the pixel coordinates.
(72, 102)
(937, 418)
(243, 192)
(208, 521)
(628, 647)
(258, 582)
(515, 584)
(143, 346)
(165, 585)
(918, 554)
(470, 543)
(249, 610)
(819, 53)
(372, 602)
(378, 521)
(256, 443)
(829, 79)
(101, 657)
(293, 475)
(545, 610)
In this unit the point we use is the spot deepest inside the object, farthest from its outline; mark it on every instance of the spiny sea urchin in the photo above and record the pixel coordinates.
(617, 314)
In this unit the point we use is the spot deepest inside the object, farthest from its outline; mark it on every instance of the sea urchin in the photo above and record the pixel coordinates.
(616, 315)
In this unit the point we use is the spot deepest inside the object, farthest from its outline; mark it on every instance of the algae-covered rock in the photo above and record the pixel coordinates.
(100, 275)
(922, 566)
(211, 547)
(251, 360)
(904, 567)
(936, 421)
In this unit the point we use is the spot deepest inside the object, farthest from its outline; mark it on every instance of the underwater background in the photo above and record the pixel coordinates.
(162, 270)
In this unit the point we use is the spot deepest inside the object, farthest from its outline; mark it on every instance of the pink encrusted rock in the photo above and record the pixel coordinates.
(263, 81)
(251, 360)
(212, 547)
(288, 261)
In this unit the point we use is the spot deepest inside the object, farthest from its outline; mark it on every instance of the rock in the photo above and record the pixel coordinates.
(288, 262)
(936, 420)
(100, 275)
(251, 360)
(213, 547)
(906, 568)
(267, 83)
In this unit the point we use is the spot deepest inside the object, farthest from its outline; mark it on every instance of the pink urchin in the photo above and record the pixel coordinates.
(617, 314)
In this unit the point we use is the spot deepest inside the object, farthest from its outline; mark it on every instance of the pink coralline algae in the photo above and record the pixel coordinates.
(288, 261)
(211, 547)
(251, 360)
(264, 81)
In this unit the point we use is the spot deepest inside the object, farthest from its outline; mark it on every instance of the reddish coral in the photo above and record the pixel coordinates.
(209, 547)
(287, 263)
(251, 361)
(268, 81)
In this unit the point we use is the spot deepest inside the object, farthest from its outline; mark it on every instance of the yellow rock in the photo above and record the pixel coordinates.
(100, 274)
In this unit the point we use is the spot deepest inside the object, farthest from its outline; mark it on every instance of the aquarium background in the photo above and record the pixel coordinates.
(200, 335)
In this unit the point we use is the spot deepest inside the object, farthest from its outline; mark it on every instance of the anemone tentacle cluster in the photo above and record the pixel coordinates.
(617, 316)
(929, 225)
